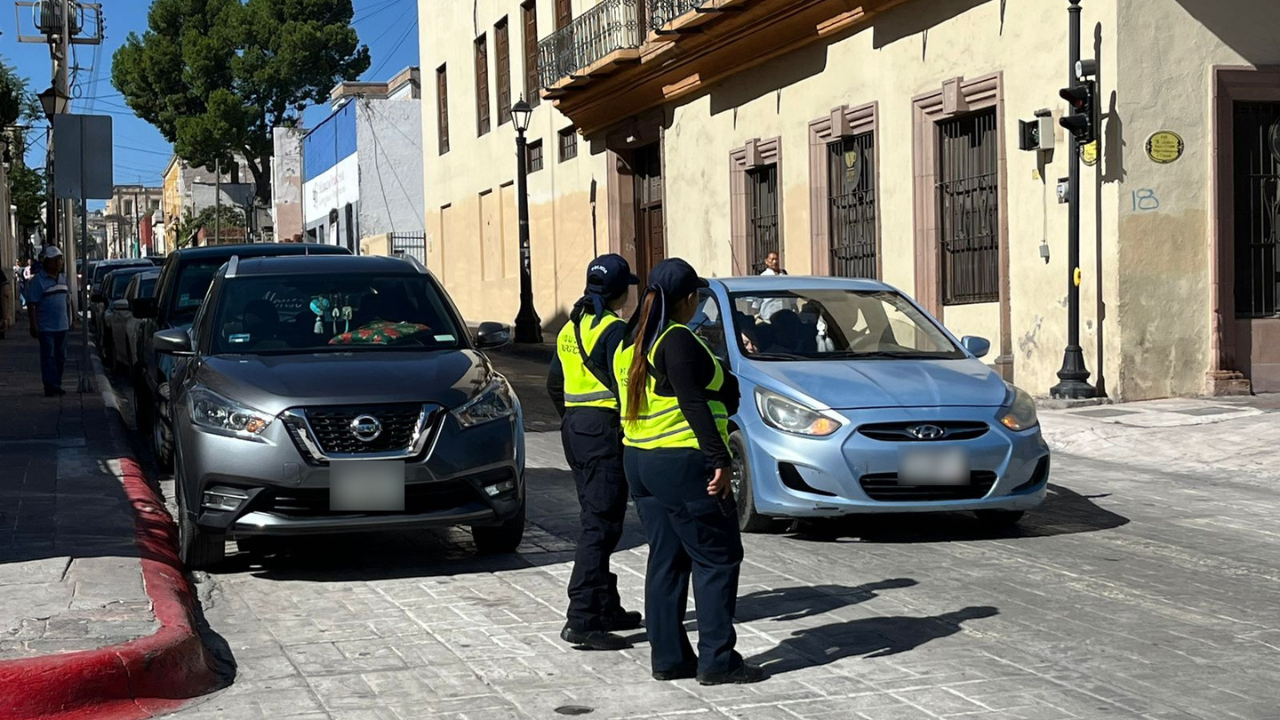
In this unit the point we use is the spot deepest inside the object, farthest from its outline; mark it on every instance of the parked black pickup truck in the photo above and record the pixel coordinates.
(180, 290)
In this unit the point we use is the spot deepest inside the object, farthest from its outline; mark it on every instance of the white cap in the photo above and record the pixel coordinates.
(50, 253)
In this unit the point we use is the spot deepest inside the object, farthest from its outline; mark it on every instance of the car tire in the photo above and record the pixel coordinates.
(196, 549)
(161, 440)
(1000, 518)
(108, 353)
(500, 539)
(749, 521)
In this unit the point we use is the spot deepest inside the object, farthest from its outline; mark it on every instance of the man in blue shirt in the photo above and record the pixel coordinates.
(49, 307)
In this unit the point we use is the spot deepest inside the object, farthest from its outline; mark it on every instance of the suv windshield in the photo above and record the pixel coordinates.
(339, 313)
(194, 279)
(835, 324)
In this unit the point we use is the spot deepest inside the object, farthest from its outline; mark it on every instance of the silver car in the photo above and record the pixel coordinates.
(334, 394)
(855, 400)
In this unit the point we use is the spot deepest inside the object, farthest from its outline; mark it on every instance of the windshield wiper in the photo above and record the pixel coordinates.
(777, 356)
(886, 355)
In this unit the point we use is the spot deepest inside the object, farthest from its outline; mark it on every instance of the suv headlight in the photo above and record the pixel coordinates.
(494, 402)
(224, 416)
(1019, 411)
(790, 416)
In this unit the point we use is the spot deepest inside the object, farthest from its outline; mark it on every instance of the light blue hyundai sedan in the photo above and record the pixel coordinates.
(855, 400)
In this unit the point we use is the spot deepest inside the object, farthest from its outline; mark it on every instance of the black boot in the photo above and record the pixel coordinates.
(740, 675)
(593, 639)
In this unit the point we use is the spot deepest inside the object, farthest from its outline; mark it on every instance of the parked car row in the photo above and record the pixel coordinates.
(295, 389)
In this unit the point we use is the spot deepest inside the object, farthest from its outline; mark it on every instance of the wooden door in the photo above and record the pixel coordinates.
(1256, 280)
(651, 246)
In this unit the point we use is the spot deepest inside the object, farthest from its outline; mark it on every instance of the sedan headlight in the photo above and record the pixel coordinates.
(1019, 411)
(790, 416)
(495, 402)
(224, 416)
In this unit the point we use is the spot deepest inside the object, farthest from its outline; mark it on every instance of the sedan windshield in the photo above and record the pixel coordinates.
(332, 313)
(836, 324)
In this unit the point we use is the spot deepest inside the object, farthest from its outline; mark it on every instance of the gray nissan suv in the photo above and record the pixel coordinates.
(334, 394)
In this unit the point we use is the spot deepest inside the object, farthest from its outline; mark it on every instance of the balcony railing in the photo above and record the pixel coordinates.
(662, 12)
(591, 38)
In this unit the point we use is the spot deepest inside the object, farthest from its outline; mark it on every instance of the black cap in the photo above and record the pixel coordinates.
(610, 275)
(675, 278)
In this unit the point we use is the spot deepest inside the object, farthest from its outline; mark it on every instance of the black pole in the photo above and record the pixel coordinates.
(528, 324)
(1073, 377)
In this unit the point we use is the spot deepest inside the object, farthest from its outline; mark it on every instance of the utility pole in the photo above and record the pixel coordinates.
(217, 201)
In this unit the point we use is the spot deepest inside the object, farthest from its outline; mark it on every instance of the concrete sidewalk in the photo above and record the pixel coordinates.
(95, 613)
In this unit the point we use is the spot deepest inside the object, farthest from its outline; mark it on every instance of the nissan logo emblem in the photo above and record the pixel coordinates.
(926, 432)
(366, 428)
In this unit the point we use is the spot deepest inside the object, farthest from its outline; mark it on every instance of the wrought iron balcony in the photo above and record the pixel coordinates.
(608, 34)
(664, 12)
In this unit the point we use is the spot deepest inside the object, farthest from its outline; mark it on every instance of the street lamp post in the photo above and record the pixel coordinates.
(528, 324)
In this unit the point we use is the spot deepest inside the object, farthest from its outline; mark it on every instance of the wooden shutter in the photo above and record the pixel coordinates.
(564, 13)
(532, 82)
(442, 108)
(502, 48)
(482, 85)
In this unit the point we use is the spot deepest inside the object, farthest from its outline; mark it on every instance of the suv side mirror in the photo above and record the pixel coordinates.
(492, 335)
(143, 308)
(120, 305)
(979, 347)
(174, 342)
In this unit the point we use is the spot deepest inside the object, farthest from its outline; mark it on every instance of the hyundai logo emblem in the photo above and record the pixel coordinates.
(366, 428)
(926, 432)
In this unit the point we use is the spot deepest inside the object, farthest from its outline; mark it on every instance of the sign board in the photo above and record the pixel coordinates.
(82, 157)
(1164, 146)
(1089, 153)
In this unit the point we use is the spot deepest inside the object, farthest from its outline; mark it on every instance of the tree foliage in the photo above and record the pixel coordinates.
(215, 76)
(18, 103)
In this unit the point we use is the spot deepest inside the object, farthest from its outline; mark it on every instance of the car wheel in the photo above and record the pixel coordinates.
(196, 548)
(749, 521)
(1000, 518)
(161, 440)
(107, 351)
(500, 539)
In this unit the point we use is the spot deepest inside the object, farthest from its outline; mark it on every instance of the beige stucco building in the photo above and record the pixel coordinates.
(881, 138)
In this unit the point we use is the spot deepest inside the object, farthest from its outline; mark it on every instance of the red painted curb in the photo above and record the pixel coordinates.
(133, 680)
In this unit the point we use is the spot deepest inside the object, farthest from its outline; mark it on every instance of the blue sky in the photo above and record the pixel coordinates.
(388, 27)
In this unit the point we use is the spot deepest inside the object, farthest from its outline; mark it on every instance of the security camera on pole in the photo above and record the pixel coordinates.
(1082, 127)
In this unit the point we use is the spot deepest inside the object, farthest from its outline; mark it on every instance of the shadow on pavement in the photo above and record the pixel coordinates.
(1064, 512)
(867, 637)
(796, 603)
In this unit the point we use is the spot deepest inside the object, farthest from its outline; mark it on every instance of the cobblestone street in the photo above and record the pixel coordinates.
(1134, 592)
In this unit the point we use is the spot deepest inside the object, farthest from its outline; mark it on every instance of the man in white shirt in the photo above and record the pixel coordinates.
(766, 307)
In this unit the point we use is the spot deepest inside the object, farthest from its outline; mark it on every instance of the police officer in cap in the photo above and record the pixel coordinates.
(581, 385)
(676, 399)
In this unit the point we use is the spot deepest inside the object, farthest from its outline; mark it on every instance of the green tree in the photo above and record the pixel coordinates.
(27, 190)
(215, 76)
(17, 102)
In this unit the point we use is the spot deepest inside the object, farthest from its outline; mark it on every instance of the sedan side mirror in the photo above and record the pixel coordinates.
(978, 347)
(174, 342)
(143, 308)
(120, 305)
(492, 335)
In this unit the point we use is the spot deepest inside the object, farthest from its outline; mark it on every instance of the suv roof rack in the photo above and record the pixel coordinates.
(232, 265)
(422, 269)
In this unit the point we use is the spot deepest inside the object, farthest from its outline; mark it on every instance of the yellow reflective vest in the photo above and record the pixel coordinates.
(661, 424)
(581, 387)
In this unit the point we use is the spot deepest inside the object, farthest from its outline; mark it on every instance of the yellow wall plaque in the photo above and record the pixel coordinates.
(1164, 146)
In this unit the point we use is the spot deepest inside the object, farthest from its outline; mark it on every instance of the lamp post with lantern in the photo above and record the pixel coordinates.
(528, 324)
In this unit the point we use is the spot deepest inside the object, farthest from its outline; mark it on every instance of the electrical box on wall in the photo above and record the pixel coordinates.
(1036, 134)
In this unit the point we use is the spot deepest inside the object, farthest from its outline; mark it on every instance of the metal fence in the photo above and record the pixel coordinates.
(606, 28)
(1257, 209)
(662, 12)
(969, 209)
(412, 245)
(852, 206)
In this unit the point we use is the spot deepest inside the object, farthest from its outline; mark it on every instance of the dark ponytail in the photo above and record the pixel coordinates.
(645, 325)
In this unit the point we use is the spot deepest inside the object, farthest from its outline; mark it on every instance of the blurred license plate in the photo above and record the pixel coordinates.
(366, 485)
(933, 466)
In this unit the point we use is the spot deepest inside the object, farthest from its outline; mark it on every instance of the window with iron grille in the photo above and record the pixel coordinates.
(533, 153)
(851, 196)
(529, 13)
(502, 51)
(762, 216)
(442, 109)
(568, 143)
(564, 13)
(1256, 142)
(482, 86)
(968, 197)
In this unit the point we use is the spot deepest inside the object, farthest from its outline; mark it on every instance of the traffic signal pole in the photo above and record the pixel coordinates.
(1073, 377)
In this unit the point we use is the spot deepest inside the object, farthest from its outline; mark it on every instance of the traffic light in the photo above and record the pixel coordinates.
(1080, 121)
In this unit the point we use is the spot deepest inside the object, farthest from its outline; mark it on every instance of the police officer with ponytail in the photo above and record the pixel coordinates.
(676, 399)
(582, 387)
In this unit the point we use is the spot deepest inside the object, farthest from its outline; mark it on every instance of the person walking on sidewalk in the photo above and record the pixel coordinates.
(49, 308)
(676, 399)
(581, 385)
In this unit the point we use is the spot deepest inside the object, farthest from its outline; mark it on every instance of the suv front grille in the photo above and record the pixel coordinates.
(885, 488)
(900, 431)
(320, 432)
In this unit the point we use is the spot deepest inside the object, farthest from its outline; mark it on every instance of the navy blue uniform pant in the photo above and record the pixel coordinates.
(53, 358)
(593, 446)
(691, 534)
